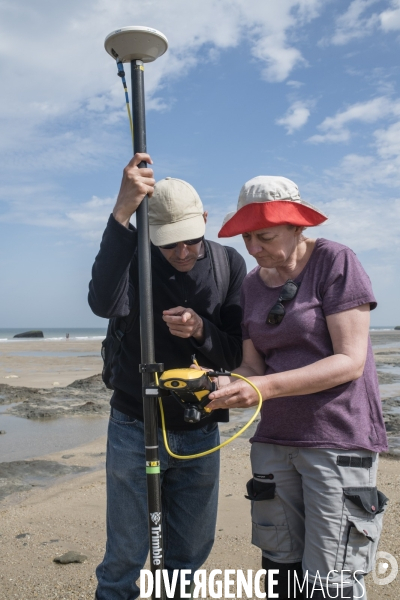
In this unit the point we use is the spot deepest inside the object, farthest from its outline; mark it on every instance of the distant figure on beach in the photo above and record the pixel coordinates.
(316, 510)
(67, 336)
(189, 317)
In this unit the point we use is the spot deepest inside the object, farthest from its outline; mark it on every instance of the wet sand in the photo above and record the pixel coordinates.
(48, 364)
(56, 503)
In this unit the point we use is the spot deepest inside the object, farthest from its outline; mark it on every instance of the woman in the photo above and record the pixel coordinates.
(316, 511)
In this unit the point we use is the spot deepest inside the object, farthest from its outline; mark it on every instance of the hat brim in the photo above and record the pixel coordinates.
(259, 215)
(170, 233)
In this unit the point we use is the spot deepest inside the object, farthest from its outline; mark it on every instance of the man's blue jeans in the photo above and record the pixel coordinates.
(189, 504)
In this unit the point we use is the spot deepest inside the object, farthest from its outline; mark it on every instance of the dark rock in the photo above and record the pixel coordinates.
(65, 456)
(2, 432)
(89, 407)
(397, 328)
(70, 557)
(21, 536)
(34, 333)
(34, 403)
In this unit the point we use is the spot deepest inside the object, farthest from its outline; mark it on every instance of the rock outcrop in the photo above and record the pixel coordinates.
(35, 333)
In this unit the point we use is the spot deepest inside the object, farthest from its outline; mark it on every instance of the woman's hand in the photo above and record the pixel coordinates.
(236, 394)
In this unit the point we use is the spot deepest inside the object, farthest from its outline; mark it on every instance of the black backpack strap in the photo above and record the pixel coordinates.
(221, 268)
(111, 346)
(124, 324)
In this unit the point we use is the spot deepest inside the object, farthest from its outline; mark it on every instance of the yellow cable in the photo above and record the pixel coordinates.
(237, 434)
(130, 123)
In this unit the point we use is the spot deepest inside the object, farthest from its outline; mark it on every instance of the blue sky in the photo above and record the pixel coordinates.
(306, 89)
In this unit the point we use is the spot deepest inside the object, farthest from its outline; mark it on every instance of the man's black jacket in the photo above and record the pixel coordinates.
(112, 294)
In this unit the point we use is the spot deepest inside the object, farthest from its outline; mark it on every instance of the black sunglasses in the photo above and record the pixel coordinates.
(186, 242)
(277, 312)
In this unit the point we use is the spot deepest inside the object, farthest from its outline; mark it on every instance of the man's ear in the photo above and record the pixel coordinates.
(205, 215)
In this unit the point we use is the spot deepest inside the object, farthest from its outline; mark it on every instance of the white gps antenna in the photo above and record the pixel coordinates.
(136, 43)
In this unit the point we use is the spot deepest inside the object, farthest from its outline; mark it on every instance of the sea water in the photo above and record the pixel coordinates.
(26, 438)
(54, 334)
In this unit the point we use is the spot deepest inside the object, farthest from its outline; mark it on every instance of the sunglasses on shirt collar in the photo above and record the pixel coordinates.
(277, 312)
(186, 242)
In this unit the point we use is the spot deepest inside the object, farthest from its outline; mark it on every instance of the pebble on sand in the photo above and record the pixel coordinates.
(70, 557)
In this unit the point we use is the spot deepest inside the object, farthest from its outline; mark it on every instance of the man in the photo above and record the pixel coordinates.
(189, 318)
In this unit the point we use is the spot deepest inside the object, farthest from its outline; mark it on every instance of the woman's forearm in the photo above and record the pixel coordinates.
(321, 375)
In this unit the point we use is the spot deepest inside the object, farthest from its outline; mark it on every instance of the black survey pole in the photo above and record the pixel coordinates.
(148, 366)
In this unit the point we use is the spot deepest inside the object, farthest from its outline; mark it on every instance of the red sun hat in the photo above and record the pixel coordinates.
(268, 201)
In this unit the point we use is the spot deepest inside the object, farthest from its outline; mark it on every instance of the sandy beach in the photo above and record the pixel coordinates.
(53, 501)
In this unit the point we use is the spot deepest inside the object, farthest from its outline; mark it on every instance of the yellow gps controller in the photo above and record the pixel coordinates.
(191, 389)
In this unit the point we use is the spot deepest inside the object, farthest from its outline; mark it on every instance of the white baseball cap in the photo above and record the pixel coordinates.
(175, 212)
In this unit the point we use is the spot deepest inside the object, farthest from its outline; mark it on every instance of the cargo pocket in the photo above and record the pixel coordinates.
(270, 531)
(366, 506)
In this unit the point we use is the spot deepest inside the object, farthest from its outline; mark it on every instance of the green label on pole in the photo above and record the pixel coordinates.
(152, 470)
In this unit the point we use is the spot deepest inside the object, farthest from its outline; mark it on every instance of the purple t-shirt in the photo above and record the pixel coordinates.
(347, 416)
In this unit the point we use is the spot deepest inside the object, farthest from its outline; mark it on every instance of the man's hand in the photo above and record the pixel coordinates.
(184, 323)
(136, 183)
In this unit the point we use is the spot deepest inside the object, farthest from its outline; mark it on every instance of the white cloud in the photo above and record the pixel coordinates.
(295, 84)
(45, 205)
(361, 194)
(388, 141)
(367, 112)
(296, 116)
(89, 220)
(356, 219)
(333, 136)
(364, 213)
(376, 173)
(333, 128)
(91, 213)
(352, 25)
(279, 59)
(390, 19)
(355, 24)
